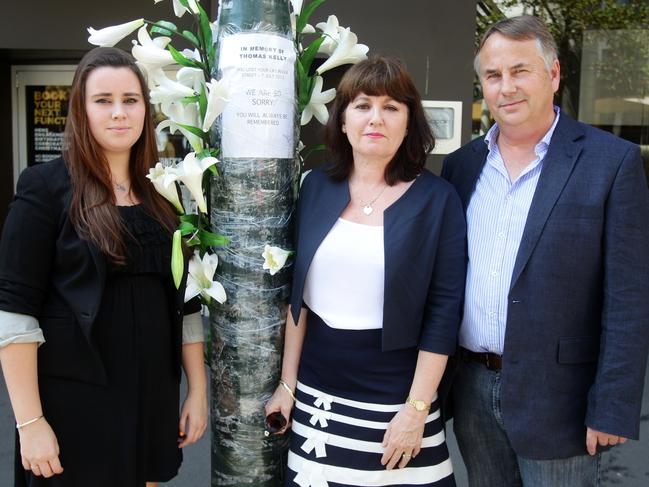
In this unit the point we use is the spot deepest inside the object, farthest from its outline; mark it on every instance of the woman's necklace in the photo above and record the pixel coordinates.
(121, 186)
(367, 208)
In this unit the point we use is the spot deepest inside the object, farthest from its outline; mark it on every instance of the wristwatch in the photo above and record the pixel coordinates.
(418, 404)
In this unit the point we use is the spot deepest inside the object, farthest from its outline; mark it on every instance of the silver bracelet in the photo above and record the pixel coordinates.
(285, 385)
(27, 423)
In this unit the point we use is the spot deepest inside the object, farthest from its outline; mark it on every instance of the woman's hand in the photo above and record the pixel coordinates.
(193, 418)
(281, 401)
(402, 439)
(39, 449)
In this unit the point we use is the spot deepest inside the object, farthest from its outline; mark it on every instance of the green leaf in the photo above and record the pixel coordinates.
(190, 99)
(211, 239)
(182, 60)
(206, 31)
(203, 154)
(213, 169)
(186, 228)
(193, 219)
(307, 57)
(194, 130)
(214, 152)
(184, 3)
(191, 37)
(202, 102)
(164, 27)
(177, 259)
(303, 19)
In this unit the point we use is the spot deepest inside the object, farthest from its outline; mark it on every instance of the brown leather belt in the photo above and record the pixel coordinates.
(490, 360)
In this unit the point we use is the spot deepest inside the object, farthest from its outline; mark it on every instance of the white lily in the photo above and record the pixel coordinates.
(200, 279)
(167, 90)
(297, 9)
(151, 53)
(193, 7)
(217, 97)
(179, 9)
(190, 173)
(178, 114)
(331, 30)
(191, 54)
(164, 182)
(317, 102)
(297, 6)
(191, 77)
(109, 36)
(308, 28)
(348, 51)
(274, 258)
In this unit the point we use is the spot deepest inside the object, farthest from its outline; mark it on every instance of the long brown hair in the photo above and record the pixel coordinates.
(376, 76)
(92, 210)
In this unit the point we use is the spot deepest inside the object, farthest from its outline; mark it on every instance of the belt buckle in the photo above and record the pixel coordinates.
(487, 363)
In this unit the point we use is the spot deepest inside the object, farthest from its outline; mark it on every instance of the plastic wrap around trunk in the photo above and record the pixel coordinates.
(252, 203)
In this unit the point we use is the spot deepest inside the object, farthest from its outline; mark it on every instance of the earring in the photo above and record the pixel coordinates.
(344, 129)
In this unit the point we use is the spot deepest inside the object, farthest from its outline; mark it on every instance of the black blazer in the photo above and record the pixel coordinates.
(578, 316)
(425, 257)
(48, 272)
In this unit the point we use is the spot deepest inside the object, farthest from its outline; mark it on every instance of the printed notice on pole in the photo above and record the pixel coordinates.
(258, 121)
(47, 109)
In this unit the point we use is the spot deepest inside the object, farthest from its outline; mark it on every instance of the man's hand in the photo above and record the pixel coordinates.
(594, 437)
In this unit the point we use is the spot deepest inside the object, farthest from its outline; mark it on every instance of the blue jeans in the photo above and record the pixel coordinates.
(487, 453)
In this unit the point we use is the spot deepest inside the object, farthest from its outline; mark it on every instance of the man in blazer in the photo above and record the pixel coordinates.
(554, 337)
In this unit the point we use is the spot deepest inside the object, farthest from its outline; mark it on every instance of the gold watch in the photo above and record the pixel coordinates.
(418, 404)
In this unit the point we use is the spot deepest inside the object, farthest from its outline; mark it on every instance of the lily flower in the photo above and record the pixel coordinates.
(164, 182)
(167, 90)
(308, 28)
(200, 279)
(297, 6)
(317, 102)
(217, 98)
(297, 9)
(274, 258)
(178, 114)
(109, 36)
(179, 9)
(190, 173)
(348, 51)
(191, 77)
(151, 53)
(331, 30)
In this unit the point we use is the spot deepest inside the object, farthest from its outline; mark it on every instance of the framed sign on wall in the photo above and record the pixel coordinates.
(445, 119)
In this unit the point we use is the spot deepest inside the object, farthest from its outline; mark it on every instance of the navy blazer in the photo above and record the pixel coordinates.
(48, 272)
(577, 328)
(424, 251)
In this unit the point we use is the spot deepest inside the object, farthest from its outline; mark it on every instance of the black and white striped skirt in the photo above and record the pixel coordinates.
(348, 392)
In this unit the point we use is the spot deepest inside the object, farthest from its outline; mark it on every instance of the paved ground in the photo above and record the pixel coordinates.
(625, 466)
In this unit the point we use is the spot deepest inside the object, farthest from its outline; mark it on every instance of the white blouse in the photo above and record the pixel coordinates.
(345, 282)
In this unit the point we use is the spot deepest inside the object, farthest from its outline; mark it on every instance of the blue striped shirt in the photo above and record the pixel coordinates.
(495, 222)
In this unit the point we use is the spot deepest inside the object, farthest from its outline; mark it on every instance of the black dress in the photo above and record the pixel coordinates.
(124, 434)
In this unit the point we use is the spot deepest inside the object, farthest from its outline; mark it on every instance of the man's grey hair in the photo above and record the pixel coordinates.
(522, 28)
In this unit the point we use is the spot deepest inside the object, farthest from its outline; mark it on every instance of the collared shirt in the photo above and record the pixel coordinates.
(496, 219)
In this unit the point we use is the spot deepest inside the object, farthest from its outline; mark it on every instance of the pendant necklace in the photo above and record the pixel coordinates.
(367, 209)
(120, 186)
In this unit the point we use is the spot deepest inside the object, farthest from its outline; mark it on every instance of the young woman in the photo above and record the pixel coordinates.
(91, 326)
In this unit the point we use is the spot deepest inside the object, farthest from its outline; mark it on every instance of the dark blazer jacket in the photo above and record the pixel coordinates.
(48, 272)
(578, 318)
(424, 248)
